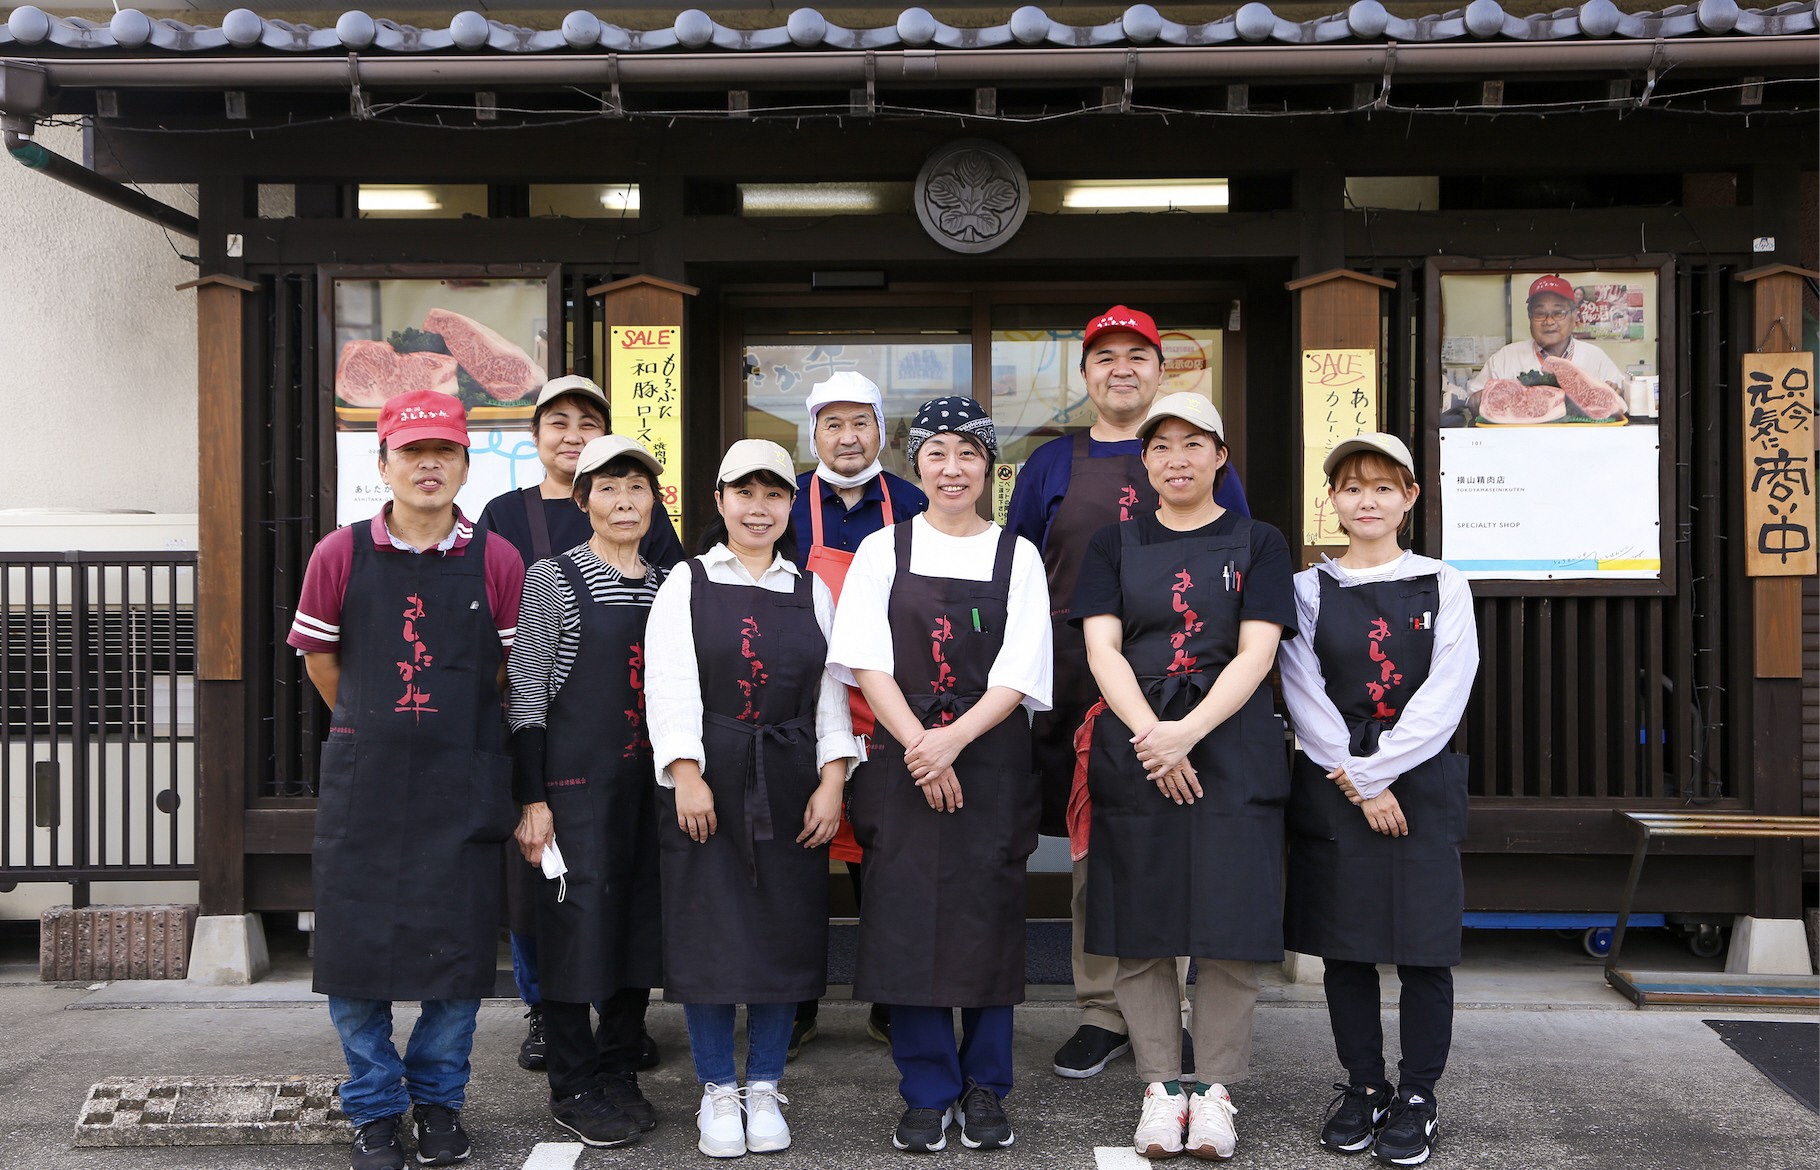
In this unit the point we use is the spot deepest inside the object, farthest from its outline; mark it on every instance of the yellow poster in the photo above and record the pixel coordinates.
(1339, 400)
(644, 373)
(1004, 479)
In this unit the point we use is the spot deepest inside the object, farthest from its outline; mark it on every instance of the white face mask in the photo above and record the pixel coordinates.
(866, 475)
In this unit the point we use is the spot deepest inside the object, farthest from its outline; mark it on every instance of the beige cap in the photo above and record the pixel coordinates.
(1386, 445)
(1192, 408)
(749, 455)
(571, 384)
(602, 451)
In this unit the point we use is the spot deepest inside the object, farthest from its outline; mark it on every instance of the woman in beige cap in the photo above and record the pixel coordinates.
(752, 742)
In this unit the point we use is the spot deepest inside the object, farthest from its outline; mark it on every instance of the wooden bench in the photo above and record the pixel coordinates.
(1684, 987)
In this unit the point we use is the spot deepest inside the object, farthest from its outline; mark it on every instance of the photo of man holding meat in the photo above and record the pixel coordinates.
(1549, 376)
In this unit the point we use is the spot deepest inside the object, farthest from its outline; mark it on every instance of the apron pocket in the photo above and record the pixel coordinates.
(492, 815)
(335, 788)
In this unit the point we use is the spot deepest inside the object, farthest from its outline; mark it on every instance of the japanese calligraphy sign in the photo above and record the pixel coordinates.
(645, 387)
(1778, 464)
(1339, 401)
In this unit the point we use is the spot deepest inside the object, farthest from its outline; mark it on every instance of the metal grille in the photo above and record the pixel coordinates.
(97, 686)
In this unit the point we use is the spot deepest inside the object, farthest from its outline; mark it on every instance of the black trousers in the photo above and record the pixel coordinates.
(810, 1008)
(577, 1055)
(1425, 1023)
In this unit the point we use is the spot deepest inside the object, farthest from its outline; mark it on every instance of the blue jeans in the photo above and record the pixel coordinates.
(524, 968)
(933, 1070)
(434, 1070)
(711, 1041)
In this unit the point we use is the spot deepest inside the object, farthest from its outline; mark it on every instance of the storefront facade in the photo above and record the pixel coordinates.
(777, 195)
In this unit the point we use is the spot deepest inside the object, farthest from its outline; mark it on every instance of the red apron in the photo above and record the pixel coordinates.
(831, 565)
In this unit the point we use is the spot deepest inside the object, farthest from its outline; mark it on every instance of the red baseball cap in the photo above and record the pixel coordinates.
(1551, 284)
(1119, 319)
(422, 414)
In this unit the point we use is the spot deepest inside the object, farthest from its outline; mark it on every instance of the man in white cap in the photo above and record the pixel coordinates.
(846, 498)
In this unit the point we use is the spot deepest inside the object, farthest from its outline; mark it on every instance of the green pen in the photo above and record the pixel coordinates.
(976, 621)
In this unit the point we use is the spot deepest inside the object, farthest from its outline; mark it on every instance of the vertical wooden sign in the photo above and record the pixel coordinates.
(1339, 401)
(1778, 465)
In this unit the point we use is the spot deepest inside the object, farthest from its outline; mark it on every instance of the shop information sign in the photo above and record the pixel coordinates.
(1339, 401)
(644, 380)
(1778, 464)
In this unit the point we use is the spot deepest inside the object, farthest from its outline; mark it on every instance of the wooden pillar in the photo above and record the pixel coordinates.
(220, 585)
(1335, 310)
(1775, 327)
(650, 301)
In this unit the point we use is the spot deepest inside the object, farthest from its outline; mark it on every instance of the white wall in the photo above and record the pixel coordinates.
(97, 349)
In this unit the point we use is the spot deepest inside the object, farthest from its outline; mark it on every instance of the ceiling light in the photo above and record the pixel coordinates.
(808, 198)
(398, 199)
(1113, 195)
(620, 198)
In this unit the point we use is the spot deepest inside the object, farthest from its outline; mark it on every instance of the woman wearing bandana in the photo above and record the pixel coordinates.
(947, 806)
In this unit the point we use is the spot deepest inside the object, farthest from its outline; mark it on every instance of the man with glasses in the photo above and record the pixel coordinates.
(1551, 334)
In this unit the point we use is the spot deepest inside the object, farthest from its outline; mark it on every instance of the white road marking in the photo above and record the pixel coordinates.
(1118, 1158)
(553, 1156)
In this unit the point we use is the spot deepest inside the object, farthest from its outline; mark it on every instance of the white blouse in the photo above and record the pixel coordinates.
(1432, 714)
(673, 704)
(862, 630)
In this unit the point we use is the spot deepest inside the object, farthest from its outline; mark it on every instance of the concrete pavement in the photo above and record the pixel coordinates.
(1549, 1069)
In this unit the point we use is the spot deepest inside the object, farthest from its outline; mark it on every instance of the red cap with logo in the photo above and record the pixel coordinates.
(1552, 284)
(422, 414)
(1119, 319)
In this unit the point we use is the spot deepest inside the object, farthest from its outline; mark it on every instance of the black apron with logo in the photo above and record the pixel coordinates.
(1101, 491)
(415, 793)
(606, 931)
(942, 918)
(1355, 893)
(1202, 879)
(746, 912)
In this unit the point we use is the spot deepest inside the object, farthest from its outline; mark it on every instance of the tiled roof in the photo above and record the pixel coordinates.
(1366, 21)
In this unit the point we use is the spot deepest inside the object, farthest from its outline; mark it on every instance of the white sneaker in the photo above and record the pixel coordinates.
(723, 1130)
(1159, 1131)
(1210, 1132)
(766, 1130)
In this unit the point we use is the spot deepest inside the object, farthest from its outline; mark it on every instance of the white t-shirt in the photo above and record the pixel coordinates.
(862, 634)
(1520, 357)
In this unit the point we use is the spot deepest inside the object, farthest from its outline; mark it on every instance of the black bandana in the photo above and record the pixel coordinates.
(958, 414)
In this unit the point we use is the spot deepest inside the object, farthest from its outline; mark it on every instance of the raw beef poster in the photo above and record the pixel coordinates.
(484, 341)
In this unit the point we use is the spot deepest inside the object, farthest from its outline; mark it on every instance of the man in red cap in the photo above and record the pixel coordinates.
(1551, 304)
(1067, 490)
(404, 624)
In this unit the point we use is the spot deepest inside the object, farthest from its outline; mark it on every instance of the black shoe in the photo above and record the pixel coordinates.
(376, 1145)
(648, 1056)
(923, 1131)
(593, 1119)
(1354, 1116)
(440, 1139)
(878, 1023)
(801, 1032)
(1088, 1051)
(1409, 1132)
(984, 1125)
(532, 1052)
(622, 1092)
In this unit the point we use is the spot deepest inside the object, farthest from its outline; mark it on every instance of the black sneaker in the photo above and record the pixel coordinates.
(376, 1145)
(622, 1092)
(440, 1139)
(1353, 1118)
(534, 1049)
(878, 1023)
(801, 1032)
(648, 1056)
(923, 1131)
(984, 1125)
(1409, 1132)
(594, 1119)
(1088, 1051)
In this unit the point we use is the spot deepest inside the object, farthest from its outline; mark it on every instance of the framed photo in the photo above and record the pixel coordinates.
(1549, 425)
(490, 337)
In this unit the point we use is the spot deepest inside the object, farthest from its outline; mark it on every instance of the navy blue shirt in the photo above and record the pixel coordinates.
(843, 529)
(1044, 481)
(505, 517)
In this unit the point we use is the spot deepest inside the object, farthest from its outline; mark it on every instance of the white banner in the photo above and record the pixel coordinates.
(1551, 503)
(501, 461)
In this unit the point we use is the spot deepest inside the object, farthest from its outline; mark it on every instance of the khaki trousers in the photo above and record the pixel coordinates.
(1225, 995)
(1094, 974)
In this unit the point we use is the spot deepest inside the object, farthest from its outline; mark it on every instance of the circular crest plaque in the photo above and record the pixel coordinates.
(972, 196)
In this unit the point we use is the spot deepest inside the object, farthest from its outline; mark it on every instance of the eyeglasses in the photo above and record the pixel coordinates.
(1550, 314)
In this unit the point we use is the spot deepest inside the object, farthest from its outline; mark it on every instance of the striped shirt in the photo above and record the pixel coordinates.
(549, 628)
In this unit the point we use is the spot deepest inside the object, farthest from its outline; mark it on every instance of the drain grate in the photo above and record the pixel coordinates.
(212, 1111)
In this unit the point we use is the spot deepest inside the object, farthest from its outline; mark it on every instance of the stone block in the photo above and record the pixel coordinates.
(229, 951)
(213, 1111)
(1768, 946)
(100, 943)
(1305, 969)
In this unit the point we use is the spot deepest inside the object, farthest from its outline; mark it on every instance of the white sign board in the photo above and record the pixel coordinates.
(501, 461)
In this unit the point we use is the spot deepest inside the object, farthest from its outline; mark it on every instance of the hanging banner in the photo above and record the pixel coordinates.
(1339, 401)
(644, 384)
(1779, 465)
